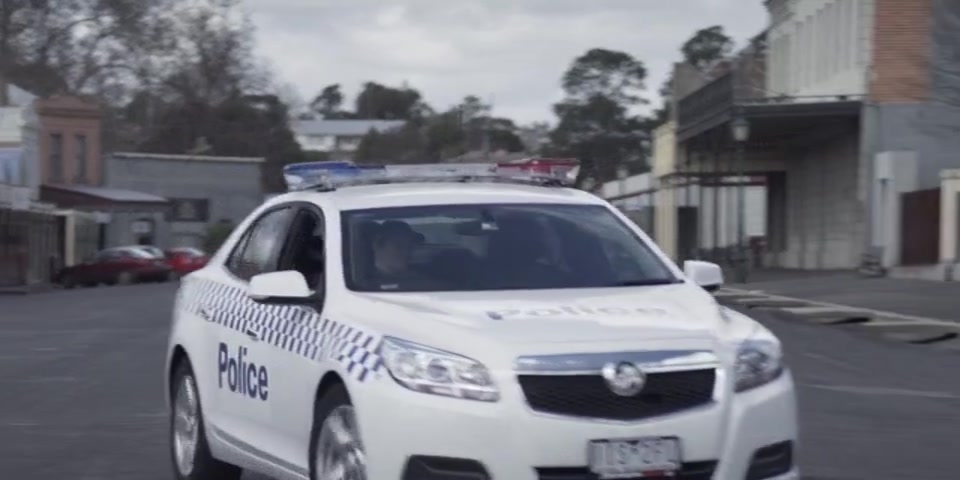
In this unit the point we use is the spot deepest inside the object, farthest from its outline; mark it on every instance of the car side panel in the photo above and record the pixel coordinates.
(193, 334)
(298, 346)
(308, 345)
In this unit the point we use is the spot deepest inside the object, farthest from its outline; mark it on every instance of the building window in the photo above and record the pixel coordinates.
(80, 175)
(189, 210)
(56, 158)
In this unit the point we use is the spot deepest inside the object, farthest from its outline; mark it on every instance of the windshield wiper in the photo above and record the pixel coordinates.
(644, 282)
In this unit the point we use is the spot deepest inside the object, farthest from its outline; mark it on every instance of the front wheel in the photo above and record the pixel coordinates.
(335, 445)
(188, 441)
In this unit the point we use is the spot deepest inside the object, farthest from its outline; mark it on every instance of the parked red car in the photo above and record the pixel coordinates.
(119, 265)
(184, 260)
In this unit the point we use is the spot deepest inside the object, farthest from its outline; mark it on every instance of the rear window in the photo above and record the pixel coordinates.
(494, 247)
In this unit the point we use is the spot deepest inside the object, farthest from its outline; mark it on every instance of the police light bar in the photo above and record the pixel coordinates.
(300, 176)
(565, 167)
(303, 176)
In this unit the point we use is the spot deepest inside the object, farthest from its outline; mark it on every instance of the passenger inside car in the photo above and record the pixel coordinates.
(516, 255)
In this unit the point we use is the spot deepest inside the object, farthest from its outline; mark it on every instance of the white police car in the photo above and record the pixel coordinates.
(479, 322)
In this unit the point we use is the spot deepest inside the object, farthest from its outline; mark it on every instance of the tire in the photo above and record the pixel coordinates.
(187, 440)
(124, 278)
(324, 451)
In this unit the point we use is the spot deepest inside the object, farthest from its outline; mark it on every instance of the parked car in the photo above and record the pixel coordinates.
(118, 265)
(152, 250)
(184, 260)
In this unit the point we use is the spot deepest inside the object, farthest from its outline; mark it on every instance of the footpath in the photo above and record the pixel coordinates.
(900, 297)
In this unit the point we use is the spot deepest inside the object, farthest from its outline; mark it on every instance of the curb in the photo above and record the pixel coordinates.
(877, 314)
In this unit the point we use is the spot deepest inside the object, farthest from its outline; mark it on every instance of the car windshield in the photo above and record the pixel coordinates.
(494, 247)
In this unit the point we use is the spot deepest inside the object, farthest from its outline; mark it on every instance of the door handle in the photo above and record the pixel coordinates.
(206, 314)
(252, 333)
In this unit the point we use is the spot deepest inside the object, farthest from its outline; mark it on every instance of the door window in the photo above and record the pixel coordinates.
(305, 251)
(258, 250)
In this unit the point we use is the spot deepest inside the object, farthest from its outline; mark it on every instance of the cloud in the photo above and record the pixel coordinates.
(513, 51)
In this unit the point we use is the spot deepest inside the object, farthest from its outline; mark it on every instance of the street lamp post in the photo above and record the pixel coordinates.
(740, 129)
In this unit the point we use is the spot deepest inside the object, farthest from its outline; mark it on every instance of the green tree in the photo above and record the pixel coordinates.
(607, 73)
(706, 46)
(404, 145)
(440, 137)
(329, 102)
(701, 50)
(245, 125)
(377, 101)
(595, 121)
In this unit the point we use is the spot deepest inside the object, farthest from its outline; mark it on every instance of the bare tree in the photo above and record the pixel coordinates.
(77, 46)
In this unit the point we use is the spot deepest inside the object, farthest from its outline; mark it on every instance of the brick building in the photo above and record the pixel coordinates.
(70, 165)
(851, 103)
(69, 147)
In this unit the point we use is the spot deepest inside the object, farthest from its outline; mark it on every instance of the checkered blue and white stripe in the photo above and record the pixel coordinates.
(296, 329)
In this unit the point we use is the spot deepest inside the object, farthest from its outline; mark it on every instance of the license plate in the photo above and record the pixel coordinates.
(649, 457)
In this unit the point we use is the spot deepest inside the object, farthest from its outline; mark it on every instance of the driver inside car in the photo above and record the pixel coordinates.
(393, 244)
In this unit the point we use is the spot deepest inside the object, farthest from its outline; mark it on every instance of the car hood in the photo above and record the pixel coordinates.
(551, 316)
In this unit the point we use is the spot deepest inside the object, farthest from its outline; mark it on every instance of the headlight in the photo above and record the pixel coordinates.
(759, 361)
(428, 370)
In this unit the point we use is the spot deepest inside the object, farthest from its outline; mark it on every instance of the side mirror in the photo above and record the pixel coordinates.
(280, 288)
(705, 274)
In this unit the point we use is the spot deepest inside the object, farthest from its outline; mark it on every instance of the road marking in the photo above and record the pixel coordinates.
(882, 391)
(875, 313)
(44, 380)
(816, 310)
(87, 331)
(831, 361)
(912, 323)
(39, 355)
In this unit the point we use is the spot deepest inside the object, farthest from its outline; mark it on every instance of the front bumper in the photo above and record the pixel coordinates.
(404, 431)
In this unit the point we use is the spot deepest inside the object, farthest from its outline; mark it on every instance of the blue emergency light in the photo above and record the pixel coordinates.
(330, 175)
(300, 176)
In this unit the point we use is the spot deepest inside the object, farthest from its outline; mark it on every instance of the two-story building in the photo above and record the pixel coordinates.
(844, 103)
(339, 139)
(28, 233)
(70, 167)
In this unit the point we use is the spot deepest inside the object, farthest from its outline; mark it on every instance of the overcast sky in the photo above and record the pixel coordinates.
(513, 51)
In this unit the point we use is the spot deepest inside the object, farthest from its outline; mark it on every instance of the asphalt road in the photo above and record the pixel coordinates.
(80, 374)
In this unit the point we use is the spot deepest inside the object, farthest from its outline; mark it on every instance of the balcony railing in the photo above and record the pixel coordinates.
(701, 107)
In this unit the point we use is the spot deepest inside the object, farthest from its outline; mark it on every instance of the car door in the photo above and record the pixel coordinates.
(244, 397)
(292, 334)
(103, 269)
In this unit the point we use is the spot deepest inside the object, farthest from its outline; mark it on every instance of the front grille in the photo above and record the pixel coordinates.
(589, 396)
(688, 471)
